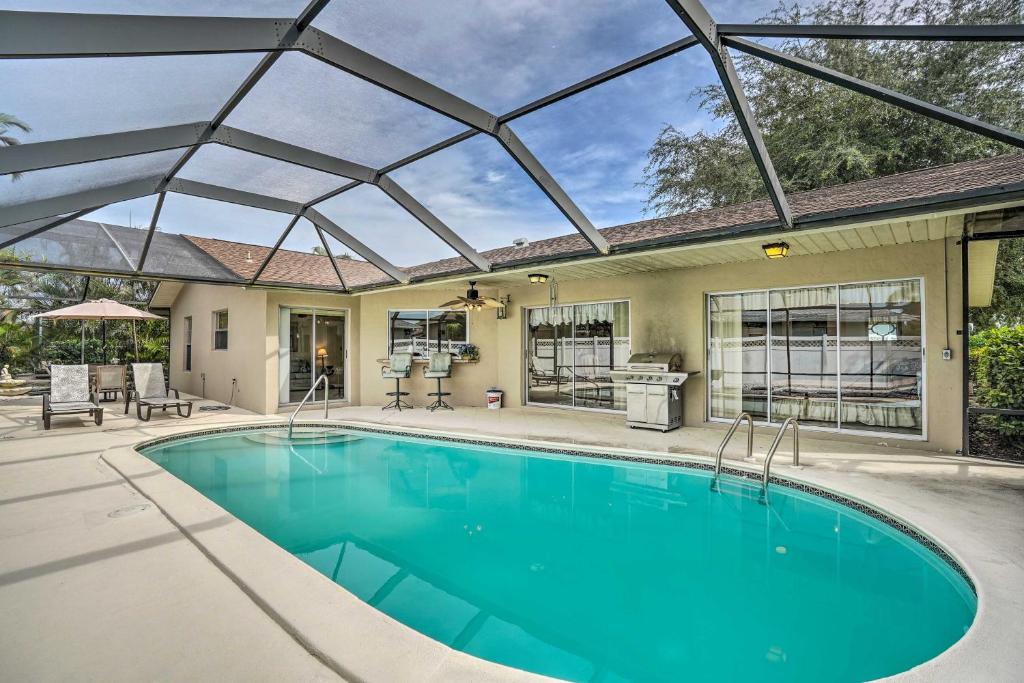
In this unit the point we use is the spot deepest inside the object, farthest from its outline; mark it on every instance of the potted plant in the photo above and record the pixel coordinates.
(469, 352)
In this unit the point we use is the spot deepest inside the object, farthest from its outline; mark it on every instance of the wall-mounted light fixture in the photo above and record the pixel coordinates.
(505, 301)
(538, 278)
(776, 249)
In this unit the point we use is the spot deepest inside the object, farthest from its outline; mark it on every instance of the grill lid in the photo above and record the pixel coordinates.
(663, 362)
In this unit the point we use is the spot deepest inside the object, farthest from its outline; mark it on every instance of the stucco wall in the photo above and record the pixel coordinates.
(667, 310)
(252, 355)
(329, 303)
(246, 344)
(469, 380)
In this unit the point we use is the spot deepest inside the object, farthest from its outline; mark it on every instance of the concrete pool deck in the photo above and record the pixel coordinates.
(131, 596)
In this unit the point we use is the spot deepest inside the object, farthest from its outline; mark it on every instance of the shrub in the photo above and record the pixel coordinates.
(997, 369)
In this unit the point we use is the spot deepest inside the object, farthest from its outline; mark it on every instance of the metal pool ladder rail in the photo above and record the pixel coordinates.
(321, 378)
(725, 442)
(790, 421)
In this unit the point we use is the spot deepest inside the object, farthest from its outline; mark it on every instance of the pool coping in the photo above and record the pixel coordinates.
(362, 643)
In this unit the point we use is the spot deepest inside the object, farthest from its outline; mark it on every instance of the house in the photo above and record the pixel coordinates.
(854, 331)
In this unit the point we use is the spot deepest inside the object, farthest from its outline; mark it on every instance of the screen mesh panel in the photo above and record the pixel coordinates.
(480, 192)
(301, 260)
(134, 213)
(69, 98)
(9, 232)
(218, 240)
(498, 54)
(308, 103)
(381, 224)
(52, 182)
(220, 8)
(75, 244)
(239, 170)
(601, 165)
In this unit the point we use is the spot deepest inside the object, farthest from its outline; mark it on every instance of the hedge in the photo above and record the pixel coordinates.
(997, 371)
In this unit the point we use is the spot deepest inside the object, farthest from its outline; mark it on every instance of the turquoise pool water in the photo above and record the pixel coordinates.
(586, 569)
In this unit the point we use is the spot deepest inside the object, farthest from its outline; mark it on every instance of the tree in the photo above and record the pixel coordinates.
(818, 134)
(7, 123)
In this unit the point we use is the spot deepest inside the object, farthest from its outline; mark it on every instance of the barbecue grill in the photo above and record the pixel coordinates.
(654, 397)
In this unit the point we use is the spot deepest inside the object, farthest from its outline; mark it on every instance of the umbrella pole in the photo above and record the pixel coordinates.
(83, 342)
(103, 326)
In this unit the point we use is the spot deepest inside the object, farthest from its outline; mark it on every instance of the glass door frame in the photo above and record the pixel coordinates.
(345, 314)
(526, 353)
(838, 429)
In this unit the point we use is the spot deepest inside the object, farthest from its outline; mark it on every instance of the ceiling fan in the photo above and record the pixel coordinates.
(472, 301)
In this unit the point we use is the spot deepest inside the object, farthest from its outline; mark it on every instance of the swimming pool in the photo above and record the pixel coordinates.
(586, 568)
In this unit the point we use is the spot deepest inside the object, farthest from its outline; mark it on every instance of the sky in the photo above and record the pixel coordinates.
(498, 54)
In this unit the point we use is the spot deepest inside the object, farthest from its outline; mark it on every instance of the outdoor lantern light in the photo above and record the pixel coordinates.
(776, 249)
(536, 278)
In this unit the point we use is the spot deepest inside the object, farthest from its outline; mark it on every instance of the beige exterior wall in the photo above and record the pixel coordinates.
(252, 353)
(349, 305)
(245, 344)
(469, 380)
(667, 313)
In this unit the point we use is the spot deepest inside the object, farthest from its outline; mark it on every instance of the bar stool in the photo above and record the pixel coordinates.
(399, 367)
(440, 367)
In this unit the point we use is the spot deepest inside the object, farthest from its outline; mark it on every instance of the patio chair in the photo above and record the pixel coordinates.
(151, 391)
(399, 367)
(69, 394)
(440, 367)
(111, 379)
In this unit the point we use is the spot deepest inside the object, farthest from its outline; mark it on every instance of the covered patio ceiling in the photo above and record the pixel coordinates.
(260, 152)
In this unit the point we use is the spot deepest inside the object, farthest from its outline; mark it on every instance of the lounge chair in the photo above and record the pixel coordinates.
(111, 379)
(69, 394)
(151, 391)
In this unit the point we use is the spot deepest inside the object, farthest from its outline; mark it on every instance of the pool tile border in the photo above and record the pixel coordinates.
(678, 461)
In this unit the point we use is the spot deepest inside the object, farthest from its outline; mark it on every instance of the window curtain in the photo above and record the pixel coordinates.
(726, 355)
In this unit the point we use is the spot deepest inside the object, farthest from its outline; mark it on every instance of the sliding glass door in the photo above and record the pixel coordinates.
(311, 344)
(571, 351)
(847, 357)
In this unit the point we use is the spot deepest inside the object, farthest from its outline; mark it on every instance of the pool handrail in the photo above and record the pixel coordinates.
(321, 378)
(725, 442)
(789, 421)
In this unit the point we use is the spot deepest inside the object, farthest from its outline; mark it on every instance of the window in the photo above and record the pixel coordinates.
(188, 343)
(423, 332)
(847, 357)
(571, 352)
(220, 330)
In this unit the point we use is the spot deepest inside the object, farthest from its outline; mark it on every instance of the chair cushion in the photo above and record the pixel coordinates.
(69, 383)
(400, 362)
(439, 362)
(149, 380)
(73, 407)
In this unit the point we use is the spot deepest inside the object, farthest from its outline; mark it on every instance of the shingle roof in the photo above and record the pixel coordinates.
(924, 186)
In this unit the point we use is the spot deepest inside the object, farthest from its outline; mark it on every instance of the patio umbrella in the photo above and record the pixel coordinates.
(102, 310)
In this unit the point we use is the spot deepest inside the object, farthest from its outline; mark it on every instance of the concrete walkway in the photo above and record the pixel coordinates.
(97, 585)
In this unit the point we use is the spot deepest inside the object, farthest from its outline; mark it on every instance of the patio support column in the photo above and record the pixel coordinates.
(965, 339)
